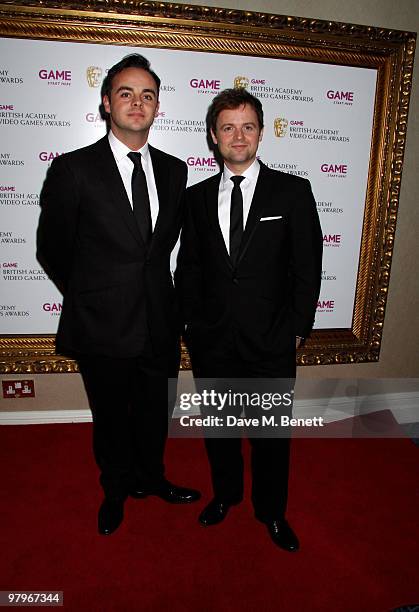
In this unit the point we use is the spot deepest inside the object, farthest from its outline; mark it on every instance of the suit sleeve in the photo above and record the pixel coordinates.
(188, 275)
(56, 235)
(181, 194)
(306, 259)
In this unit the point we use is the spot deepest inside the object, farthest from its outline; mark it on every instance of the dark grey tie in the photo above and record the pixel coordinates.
(236, 218)
(140, 199)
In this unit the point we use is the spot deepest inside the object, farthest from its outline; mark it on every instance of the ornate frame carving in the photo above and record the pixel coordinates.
(176, 26)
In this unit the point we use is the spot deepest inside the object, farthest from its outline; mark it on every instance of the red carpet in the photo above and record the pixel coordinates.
(353, 503)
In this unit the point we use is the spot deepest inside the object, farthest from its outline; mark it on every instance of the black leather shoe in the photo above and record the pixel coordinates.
(214, 513)
(111, 514)
(168, 492)
(282, 535)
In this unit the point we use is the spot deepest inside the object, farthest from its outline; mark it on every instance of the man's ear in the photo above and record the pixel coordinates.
(156, 112)
(106, 104)
(213, 136)
(261, 135)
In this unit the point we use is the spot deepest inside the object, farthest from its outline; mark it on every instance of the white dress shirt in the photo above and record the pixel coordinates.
(125, 166)
(247, 187)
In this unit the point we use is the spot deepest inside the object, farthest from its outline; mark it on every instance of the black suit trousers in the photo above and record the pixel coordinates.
(269, 456)
(130, 401)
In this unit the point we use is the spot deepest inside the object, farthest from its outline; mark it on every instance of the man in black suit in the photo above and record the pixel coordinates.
(110, 217)
(249, 271)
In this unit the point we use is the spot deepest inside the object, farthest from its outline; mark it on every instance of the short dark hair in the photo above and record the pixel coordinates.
(229, 99)
(134, 60)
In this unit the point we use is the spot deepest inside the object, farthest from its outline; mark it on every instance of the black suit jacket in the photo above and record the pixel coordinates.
(270, 296)
(115, 289)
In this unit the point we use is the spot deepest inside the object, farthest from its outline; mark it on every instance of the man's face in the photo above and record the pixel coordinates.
(133, 104)
(237, 135)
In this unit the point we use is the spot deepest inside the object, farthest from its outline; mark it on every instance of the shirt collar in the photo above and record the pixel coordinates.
(251, 173)
(120, 150)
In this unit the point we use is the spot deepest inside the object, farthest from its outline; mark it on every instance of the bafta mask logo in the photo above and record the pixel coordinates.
(280, 127)
(241, 82)
(94, 76)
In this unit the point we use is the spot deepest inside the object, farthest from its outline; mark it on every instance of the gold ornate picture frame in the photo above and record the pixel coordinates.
(213, 30)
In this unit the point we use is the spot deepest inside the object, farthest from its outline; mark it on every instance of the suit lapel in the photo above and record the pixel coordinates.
(111, 177)
(211, 200)
(161, 172)
(263, 192)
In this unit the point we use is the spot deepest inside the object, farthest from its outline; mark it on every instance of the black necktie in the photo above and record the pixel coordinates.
(236, 218)
(140, 199)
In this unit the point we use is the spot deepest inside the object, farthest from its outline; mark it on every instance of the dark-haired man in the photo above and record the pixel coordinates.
(249, 271)
(110, 217)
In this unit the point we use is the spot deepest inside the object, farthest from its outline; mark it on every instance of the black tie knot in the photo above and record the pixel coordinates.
(135, 158)
(237, 180)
